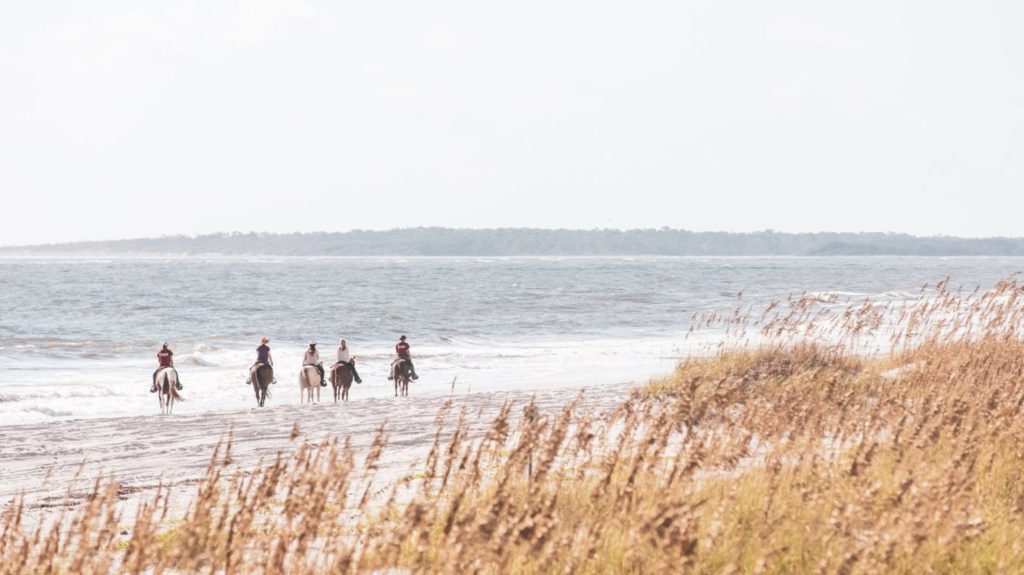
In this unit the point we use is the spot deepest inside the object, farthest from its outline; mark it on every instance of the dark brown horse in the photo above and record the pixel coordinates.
(341, 380)
(260, 376)
(401, 372)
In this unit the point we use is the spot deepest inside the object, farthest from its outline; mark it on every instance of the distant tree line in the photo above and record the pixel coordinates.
(538, 242)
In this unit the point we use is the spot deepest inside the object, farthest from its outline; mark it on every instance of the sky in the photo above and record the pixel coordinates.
(142, 119)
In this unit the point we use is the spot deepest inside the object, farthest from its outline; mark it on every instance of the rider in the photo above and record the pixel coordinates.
(345, 358)
(166, 359)
(312, 357)
(263, 357)
(402, 349)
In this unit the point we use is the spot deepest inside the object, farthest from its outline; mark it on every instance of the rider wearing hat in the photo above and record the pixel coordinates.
(263, 357)
(312, 357)
(402, 349)
(165, 357)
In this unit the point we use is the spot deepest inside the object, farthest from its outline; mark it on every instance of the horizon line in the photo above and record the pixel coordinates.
(236, 233)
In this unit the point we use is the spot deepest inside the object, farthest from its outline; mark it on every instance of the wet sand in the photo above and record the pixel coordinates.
(42, 461)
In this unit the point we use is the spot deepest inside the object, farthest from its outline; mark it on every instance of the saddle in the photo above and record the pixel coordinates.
(177, 384)
(395, 363)
(257, 365)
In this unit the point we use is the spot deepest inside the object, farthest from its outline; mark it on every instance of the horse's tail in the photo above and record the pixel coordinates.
(263, 378)
(173, 386)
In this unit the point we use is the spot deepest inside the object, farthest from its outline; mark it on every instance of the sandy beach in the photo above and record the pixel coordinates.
(42, 461)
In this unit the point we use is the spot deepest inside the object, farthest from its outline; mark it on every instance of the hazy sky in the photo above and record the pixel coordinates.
(142, 118)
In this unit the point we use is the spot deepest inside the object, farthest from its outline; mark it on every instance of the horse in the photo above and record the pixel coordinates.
(309, 379)
(341, 380)
(167, 391)
(260, 375)
(400, 372)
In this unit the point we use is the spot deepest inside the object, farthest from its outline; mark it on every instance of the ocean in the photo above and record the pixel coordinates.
(78, 337)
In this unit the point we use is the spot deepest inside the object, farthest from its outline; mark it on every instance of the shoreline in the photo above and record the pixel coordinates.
(55, 465)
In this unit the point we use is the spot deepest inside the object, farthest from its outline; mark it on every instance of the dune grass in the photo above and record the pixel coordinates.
(799, 454)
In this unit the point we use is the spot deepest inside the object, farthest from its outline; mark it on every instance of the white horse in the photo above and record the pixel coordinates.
(309, 379)
(167, 389)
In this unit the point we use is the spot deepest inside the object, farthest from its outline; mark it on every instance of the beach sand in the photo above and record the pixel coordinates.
(55, 465)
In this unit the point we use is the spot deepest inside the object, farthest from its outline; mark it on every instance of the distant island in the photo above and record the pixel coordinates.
(430, 241)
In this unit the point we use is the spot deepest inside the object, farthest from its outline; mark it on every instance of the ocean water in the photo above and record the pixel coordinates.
(78, 337)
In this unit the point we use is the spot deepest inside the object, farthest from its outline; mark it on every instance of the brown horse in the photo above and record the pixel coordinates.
(400, 372)
(260, 375)
(166, 386)
(341, 380)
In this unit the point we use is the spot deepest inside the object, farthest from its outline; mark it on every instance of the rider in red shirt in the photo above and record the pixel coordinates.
(402, 349)
(166, 359)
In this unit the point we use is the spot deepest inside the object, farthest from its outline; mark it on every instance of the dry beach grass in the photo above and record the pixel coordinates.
(824, 438)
